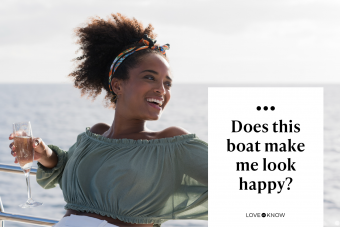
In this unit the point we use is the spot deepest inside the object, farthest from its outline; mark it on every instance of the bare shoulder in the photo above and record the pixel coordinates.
(99, 128)
(173, 131)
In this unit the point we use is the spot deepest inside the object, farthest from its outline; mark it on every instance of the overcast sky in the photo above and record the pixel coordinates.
(235, 41)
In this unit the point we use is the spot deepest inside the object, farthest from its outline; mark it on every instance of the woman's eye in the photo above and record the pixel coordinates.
(150, 77)
(168, 84)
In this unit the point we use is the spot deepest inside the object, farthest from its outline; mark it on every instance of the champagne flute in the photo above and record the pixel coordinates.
(23, 142)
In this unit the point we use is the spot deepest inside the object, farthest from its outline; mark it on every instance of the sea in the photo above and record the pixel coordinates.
(58, 114)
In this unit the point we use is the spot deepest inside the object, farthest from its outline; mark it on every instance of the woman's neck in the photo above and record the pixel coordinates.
(123, 127)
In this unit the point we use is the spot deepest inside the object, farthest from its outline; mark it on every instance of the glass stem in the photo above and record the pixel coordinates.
(28, 186)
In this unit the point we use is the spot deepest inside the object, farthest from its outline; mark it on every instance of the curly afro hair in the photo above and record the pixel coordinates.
(100, 43)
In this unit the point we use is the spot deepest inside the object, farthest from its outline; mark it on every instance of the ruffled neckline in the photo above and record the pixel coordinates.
(168, 140)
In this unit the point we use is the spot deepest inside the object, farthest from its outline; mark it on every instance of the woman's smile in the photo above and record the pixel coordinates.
(155, 102)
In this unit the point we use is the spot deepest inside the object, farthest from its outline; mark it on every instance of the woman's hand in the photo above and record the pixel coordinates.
(42, 153)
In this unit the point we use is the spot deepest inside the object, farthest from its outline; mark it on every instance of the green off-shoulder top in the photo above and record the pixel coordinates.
(135, 181)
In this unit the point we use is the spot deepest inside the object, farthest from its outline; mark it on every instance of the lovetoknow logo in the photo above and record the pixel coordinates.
(264, 215)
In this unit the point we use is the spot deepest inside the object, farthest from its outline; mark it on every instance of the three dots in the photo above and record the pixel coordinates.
(265, 108)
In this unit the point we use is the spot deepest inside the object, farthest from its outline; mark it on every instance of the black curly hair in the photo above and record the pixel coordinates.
(100, 43)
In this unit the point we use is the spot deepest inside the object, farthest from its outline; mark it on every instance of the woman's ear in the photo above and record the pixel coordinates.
(117, 86)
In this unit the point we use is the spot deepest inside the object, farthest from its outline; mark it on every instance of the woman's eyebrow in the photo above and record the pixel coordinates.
(150, 71)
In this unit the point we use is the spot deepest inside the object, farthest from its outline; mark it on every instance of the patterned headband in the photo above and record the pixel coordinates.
(147, 43)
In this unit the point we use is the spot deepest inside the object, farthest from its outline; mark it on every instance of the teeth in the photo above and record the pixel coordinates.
(155, 100)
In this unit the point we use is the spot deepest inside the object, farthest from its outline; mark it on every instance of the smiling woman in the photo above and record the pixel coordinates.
(125, 174)
(150, 82)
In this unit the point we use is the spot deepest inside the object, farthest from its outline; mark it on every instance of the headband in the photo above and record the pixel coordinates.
(146, 43)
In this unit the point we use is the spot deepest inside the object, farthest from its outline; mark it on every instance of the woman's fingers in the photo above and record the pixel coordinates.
(39, 147)
(11, 145)
(13, 153)
(37, 142)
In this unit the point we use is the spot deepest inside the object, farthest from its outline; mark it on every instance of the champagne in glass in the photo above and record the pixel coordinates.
(23, 142)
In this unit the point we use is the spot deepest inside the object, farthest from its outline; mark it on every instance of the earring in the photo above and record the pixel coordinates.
(114, 98)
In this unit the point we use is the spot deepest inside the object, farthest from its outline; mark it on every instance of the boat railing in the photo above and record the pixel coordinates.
(18, 217)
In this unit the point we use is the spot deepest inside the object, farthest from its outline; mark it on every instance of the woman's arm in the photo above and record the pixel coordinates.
(50, 177)
(49, 159)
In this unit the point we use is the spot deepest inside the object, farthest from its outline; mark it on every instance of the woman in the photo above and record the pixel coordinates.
(126, 174)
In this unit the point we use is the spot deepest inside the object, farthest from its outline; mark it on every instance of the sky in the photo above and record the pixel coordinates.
(229, 42)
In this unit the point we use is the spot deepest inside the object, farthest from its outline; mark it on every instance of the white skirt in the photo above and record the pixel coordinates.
(82, 221)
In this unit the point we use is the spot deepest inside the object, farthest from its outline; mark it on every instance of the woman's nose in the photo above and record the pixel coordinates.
(160, 89)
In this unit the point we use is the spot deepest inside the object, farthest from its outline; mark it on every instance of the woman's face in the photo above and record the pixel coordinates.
(147, 91)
